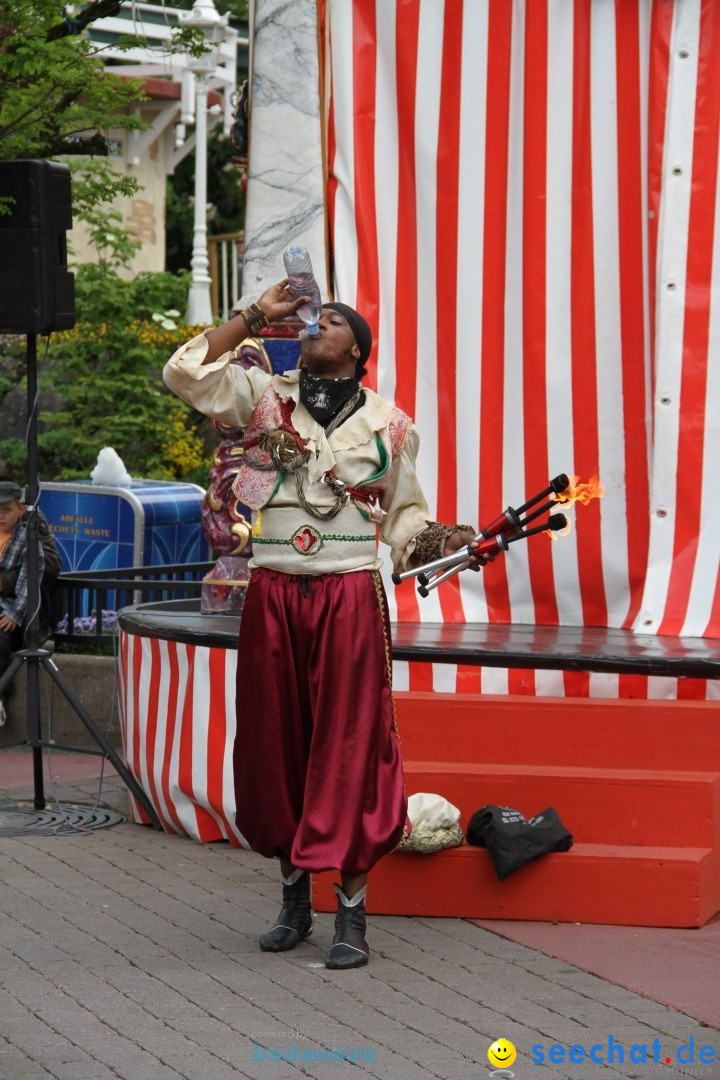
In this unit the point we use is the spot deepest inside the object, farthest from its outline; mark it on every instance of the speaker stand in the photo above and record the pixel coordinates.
(32, 657)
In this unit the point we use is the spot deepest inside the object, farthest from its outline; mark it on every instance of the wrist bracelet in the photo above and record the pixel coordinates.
(255, 318)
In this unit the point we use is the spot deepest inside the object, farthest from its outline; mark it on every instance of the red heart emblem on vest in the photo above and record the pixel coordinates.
(306, 539)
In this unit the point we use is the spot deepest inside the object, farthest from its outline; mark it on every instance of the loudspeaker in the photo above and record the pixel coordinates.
(37, 293)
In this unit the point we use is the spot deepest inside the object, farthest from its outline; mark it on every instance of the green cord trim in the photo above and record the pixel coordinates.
(281, 477)
(330, 536)
(384, 462)
(384, 466)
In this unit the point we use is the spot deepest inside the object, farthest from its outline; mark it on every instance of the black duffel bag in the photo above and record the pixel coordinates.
(512, 840)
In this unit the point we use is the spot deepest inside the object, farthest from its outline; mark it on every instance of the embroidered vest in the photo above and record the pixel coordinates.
(255, 487)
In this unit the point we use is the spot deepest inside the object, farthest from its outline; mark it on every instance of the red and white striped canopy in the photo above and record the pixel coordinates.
(522, 199)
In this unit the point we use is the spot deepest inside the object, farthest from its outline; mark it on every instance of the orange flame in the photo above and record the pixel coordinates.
(577, 492)
(582, 493)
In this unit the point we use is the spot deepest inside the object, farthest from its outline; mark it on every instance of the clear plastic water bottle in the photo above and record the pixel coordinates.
(298, 268)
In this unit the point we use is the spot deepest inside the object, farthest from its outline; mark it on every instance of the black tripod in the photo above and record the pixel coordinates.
(32, 656)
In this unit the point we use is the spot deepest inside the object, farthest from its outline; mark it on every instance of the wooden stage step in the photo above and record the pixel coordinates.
(637, 783)
(605, 806)
(592, 883)
(595, 732)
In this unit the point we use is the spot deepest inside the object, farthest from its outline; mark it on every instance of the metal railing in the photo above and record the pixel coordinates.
(225, 258)
(83, 606)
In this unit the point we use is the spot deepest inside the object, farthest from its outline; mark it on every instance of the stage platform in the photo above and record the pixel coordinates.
(557, 648)
(636, 782)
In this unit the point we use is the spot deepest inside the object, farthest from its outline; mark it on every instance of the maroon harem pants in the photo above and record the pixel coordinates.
(318, 769)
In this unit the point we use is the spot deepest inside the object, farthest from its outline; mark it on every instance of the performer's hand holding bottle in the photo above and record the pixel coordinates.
(275, 303)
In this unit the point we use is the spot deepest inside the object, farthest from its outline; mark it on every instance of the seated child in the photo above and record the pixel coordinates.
(13, 562)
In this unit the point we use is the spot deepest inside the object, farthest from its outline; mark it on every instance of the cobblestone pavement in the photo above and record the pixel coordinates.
(128, 953)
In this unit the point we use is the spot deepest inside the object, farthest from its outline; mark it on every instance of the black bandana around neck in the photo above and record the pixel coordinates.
(324, 398)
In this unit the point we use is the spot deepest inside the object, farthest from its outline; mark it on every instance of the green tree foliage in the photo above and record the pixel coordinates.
(57, 98)
(106, 379)
(107, 372)
(55, 91)
(94, 188)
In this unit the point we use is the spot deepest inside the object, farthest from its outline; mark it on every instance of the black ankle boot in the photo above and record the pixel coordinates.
(349, 948)
(295, 921)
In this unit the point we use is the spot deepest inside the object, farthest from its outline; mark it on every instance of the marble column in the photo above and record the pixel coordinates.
(285, 191)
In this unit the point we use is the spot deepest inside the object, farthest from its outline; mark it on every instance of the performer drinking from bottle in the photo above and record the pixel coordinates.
(318, 771)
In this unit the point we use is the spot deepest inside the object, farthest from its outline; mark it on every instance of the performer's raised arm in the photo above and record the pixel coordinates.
(275, 303)
(201, 372)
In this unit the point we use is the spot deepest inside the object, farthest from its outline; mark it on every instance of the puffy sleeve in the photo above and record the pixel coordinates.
(222, 390)
(406, 512)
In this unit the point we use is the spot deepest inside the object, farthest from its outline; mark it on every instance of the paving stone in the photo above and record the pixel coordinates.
(133, 955)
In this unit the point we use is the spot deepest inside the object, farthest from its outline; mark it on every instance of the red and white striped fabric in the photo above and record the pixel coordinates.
(522, 199)
(177, 712)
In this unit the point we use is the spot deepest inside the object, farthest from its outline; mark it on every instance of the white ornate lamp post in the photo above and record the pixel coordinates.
(204, 17)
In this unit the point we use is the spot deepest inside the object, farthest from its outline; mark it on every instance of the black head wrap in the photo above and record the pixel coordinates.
(361, 330)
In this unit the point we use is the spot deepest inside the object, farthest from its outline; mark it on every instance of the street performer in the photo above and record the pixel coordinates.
(325, 462)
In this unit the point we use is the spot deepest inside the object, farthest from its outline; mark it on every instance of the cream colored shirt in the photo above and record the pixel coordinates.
(228, 393)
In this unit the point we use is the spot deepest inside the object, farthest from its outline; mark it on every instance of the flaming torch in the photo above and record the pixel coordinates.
(577, 492)
(507, 528)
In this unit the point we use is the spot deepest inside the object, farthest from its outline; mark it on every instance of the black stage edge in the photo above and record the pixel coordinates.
(557, 648)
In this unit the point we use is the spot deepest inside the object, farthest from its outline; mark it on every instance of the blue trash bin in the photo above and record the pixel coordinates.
(150, 523)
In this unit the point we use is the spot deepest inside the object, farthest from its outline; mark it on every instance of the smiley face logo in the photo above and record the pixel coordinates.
(501, 1054)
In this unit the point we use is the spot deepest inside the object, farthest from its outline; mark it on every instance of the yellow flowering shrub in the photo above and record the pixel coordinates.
(183, 450)
(147, 333)
(106, 376)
